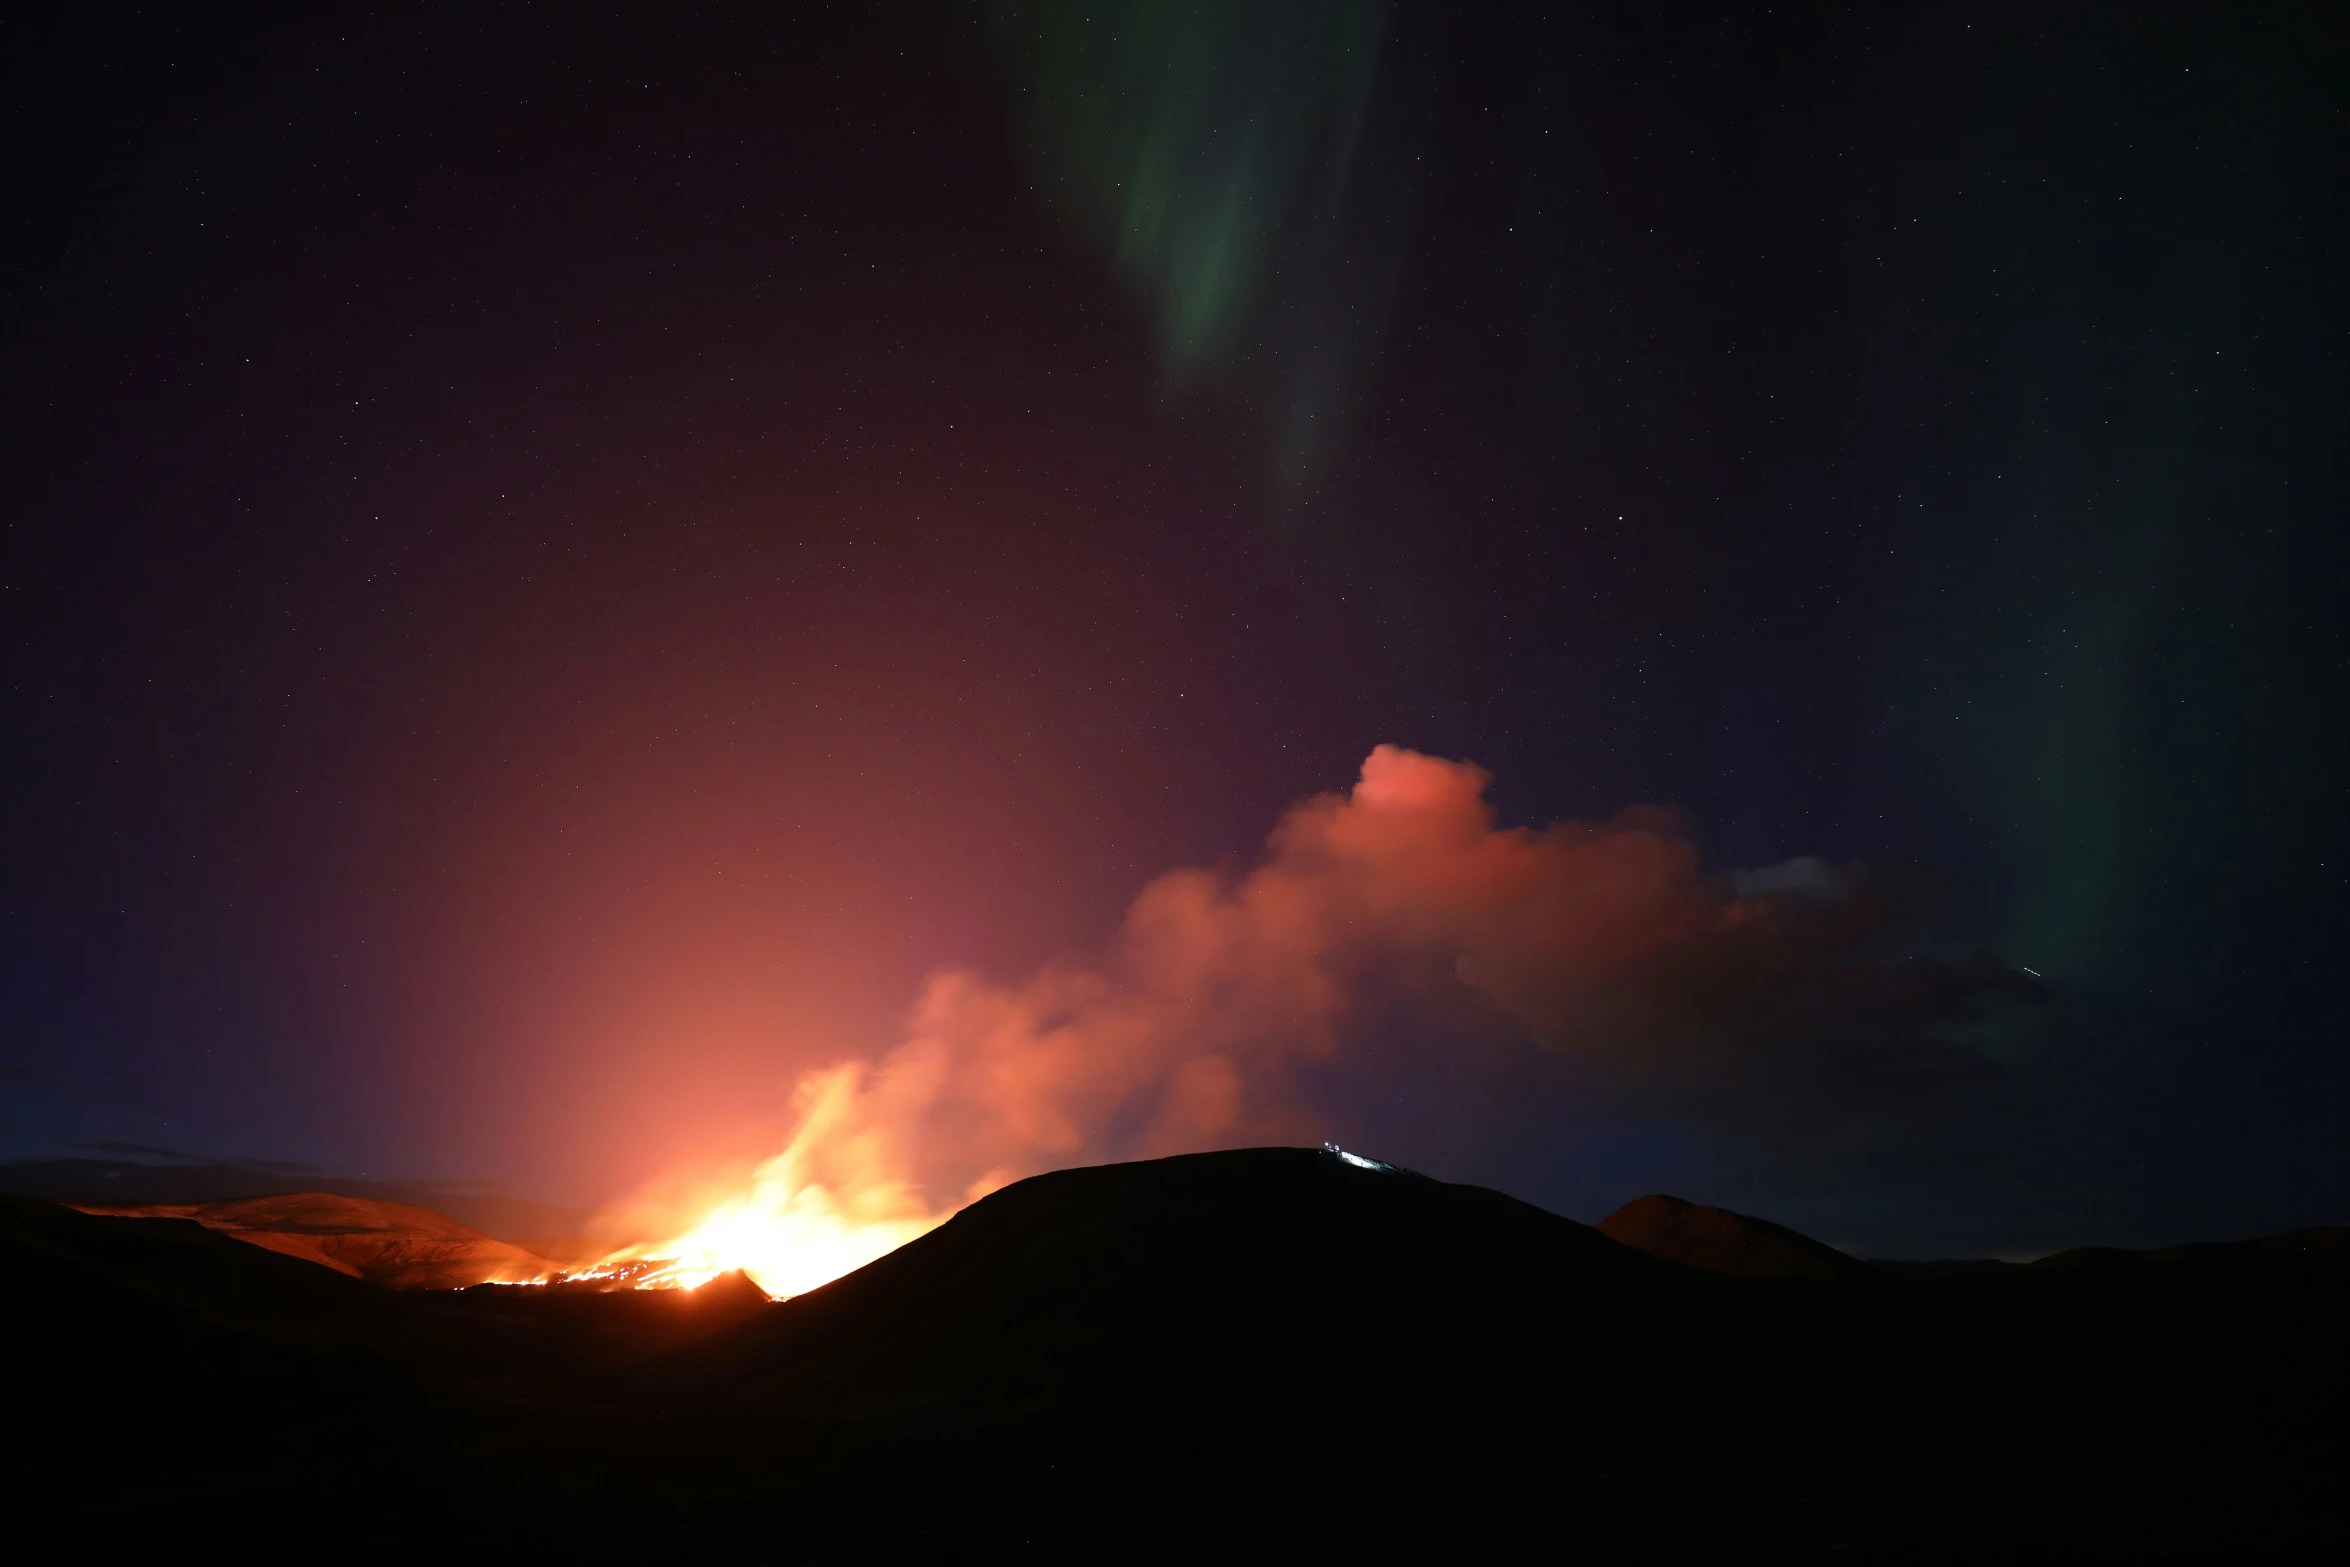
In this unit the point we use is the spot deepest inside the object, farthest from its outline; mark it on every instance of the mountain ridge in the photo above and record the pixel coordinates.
(1234, 1356)
(1721, 1241)
(393, 1245)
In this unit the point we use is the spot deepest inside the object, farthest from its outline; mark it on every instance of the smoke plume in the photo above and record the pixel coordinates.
(1752, 999)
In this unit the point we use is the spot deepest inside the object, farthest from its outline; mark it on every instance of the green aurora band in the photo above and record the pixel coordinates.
(1246, 175)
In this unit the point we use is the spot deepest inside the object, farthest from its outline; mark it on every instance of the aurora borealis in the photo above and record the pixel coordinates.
(558, 574)
(1248, 171)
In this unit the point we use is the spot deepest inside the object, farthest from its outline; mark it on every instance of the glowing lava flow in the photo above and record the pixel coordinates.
(788, 1230)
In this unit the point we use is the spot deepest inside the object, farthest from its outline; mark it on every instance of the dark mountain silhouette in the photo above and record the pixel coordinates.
(1236, 1356)
(2319, 1251)
(156, 1366)
(1231, 1354)
(1720, 1241)
(1277, 1263)
(2322, 1246)
(618, 1325)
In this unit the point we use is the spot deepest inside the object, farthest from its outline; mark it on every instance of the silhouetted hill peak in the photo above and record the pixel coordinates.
(1720, 1241)
(1256, 1268)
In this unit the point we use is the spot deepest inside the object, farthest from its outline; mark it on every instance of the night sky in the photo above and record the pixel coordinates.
(560, 559)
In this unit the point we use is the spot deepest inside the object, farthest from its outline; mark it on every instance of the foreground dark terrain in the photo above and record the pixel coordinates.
(1255, 1354)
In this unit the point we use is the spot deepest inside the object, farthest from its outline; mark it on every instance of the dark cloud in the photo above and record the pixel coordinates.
(141, 1151)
